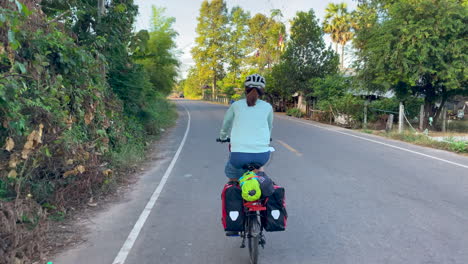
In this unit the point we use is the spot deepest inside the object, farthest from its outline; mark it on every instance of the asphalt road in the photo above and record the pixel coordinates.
(351, 198)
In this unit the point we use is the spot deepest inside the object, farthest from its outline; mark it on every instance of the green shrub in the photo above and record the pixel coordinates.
(295, 112)
(347, 104)
(385, 106)
(457, 146)
(95, 104)
(380, 107)
(73, 104)
(159, 114)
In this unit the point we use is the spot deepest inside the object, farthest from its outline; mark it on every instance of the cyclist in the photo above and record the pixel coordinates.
(248, 123)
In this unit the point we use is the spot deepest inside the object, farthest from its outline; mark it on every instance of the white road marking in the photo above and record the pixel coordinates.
(381, 143)
(132, 237)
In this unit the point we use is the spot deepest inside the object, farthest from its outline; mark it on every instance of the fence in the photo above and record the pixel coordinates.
(218, 99)
(447, 122)
(403, 118)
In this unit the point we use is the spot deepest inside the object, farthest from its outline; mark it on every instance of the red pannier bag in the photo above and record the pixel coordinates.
(232, 208)
(275, 217)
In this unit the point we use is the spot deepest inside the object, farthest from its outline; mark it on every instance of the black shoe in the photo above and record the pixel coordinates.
(232, 233)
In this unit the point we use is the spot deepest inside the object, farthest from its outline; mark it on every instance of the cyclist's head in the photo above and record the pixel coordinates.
(254, 88)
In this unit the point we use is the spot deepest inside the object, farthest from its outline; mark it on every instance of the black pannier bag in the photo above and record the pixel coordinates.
(232, 208)
(275, 216)
(266, 184)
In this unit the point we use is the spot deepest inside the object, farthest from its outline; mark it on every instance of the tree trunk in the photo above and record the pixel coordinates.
(427, 113)
(313, 108)
(440, 109)
(366, 103)
(101, 8)
(214, 87)
(236, 79)
(444, 119)
(342, 57)
(421, 118)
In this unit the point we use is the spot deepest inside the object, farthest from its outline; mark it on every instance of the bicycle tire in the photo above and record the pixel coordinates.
(253, 238)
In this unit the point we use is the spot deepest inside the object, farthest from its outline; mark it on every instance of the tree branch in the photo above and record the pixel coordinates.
(59, 17)
(15, 75)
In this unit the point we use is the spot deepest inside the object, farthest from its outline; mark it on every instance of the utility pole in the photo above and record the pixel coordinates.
(389, 126)
(401, 117)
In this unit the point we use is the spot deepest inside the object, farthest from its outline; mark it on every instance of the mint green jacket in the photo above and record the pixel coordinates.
(248, 127)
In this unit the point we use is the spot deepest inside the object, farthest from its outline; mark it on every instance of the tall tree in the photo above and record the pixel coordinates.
(337, 23)
(209, 52)
(306, 56)
(159, 59)
(417, 47)
(238, 41)
(264, 34)
(193, 85)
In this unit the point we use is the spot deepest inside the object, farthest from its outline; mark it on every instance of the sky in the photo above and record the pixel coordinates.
(186, 12)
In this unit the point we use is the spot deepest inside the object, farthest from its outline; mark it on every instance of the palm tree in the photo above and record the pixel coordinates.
(345, 34)
(338, 24)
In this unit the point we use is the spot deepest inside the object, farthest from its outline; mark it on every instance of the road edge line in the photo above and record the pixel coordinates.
(378, 142)
(132, 237)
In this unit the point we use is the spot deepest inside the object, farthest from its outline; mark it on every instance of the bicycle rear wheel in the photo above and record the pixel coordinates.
(253, 238)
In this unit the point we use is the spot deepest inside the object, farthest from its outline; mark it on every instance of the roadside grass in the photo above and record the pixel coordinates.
(295, 112)
(422, 140)
(128, 157)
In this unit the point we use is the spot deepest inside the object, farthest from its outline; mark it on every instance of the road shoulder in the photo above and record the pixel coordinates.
(100, 242)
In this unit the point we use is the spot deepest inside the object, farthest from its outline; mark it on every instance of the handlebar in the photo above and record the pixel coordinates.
(227, 140)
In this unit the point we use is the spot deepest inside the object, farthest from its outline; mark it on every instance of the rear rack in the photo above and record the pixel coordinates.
(255, 206)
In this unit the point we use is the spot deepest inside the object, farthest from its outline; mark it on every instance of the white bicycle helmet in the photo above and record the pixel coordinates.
(255, 81)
